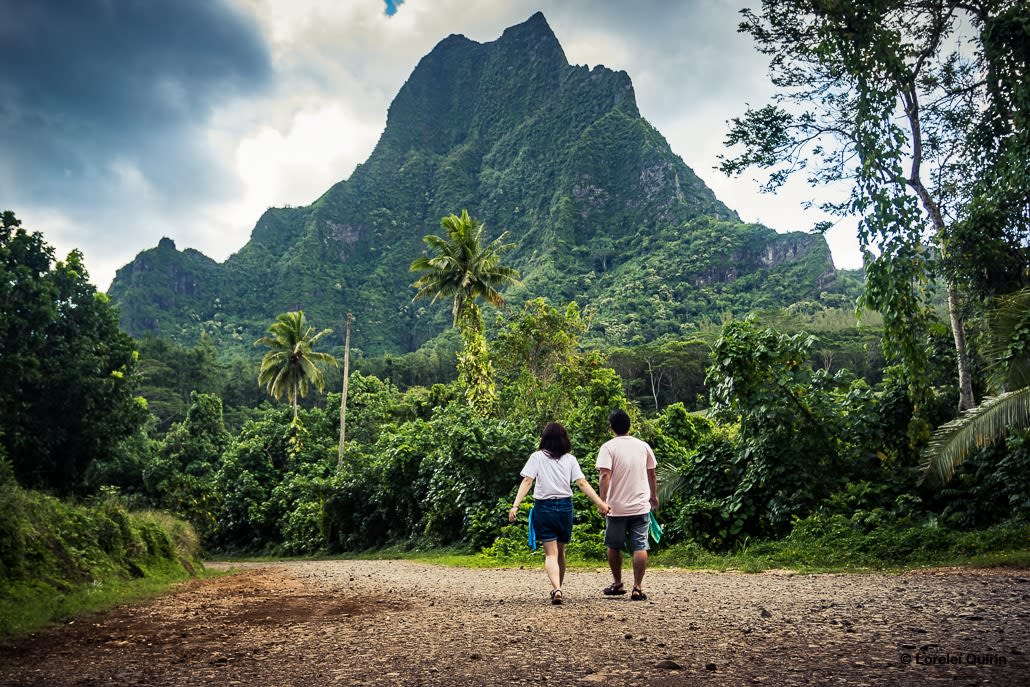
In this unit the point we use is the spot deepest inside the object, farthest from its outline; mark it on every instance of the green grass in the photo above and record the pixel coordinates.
(822, 546)
(59, 559)
(681, 557)
(27, 606)
(688, 558)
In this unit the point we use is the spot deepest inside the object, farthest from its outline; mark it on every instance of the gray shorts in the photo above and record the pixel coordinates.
(619, 530)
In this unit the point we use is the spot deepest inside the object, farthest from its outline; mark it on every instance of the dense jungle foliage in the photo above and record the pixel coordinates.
(792, 440)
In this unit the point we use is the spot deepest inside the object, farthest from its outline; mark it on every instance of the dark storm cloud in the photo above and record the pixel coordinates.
(88, 85)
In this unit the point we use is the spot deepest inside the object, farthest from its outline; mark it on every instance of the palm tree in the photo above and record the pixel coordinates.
(1008, 353)
(292, 367)
(463, 269)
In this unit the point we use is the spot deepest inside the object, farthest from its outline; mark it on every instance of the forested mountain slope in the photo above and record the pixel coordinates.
(600, 208)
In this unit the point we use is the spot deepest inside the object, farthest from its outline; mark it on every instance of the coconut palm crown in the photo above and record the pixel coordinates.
(291, 367)
(462, 268)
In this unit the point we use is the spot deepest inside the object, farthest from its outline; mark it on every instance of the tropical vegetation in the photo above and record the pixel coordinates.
(762, 430)
(783, 424)
(1008, 354)
(913, 110)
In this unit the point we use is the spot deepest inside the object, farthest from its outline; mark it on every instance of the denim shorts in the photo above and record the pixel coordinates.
(552, 520)
(619, 529)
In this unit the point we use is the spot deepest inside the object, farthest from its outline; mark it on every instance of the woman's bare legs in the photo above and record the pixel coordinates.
(554, 563)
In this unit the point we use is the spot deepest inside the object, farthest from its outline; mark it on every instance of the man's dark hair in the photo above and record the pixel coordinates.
(619, 421)
(554, 441)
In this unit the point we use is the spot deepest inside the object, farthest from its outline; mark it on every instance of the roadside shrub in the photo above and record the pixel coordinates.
(49, 541)
(880, 538)
(512, 545)
(990, 487)
(302, 529)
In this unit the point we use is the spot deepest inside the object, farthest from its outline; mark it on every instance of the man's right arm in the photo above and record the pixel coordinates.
(652, 485)
(604, 482)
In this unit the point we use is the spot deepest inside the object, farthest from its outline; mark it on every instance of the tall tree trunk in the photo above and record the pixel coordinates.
(958, 329)
(966, 400)
(346, 380)
(656, 381)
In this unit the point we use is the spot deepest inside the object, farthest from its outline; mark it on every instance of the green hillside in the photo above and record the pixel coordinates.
(600, 208)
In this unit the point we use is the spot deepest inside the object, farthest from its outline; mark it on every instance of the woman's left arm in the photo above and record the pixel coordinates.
(585, 487)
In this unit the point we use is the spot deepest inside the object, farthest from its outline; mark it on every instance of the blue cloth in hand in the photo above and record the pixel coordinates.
(531, 537)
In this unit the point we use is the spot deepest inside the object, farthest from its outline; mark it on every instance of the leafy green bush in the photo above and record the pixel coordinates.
(883, 539)
(51, 549)
(511, 542)
(990, 487)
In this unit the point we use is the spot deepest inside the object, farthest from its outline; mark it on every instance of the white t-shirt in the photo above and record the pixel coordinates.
(553, 477)
(629, 459)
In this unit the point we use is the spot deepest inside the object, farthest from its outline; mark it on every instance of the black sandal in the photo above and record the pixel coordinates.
(556, 597)
(614, 589)
(638, 595)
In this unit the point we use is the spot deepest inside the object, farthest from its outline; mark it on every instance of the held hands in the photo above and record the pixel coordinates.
(603, 508)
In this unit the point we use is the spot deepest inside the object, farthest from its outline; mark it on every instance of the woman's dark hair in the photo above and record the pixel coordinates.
(554, 441)
(619, 421)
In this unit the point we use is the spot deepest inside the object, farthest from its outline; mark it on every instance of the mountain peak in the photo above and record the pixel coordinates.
(535, 37)
(535, 25)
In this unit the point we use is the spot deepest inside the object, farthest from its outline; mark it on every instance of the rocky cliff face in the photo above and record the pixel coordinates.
(602, 211)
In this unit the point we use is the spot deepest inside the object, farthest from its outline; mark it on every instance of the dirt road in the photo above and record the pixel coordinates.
(399, 623)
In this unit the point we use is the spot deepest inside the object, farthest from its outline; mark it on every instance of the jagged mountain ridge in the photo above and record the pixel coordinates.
(600, 208)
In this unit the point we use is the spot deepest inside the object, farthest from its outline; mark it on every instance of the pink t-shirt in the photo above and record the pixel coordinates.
(629, 459)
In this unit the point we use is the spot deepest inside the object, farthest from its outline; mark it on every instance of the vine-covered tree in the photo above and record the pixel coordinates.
(181, 475)
(891, 97)
(292, 366)
(990, 242)
(465, 270)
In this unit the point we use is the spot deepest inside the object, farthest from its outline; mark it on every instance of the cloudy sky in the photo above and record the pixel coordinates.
(122, 121)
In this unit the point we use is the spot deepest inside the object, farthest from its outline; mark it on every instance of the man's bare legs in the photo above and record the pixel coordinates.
(615, 563)
(639, 566)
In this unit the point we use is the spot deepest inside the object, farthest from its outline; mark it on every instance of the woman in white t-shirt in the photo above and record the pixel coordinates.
(554, 469)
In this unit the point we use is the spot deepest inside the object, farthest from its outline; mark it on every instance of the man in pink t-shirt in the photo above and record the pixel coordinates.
(627, 483)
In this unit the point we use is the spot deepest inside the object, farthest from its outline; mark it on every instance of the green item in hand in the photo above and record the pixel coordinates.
(654, 528)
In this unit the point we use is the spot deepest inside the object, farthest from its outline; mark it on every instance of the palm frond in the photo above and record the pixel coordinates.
(463, 269)
(670, 480)
(311, 340)
(1007, 325)
(981, 426)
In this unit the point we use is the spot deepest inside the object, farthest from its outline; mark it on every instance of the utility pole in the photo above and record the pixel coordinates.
(346, 379)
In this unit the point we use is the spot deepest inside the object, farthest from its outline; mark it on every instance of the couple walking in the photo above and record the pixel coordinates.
(628, 495)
